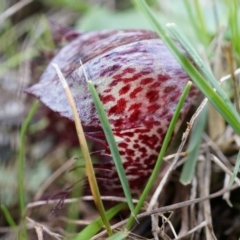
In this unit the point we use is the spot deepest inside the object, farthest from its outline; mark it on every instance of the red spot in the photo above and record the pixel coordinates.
(152, 95)
(169, 89)
(122, 152)
(146, 81)
(118, 123)
(134, 77)
(136, 145)
(134, 116)
(114, 83)
(107, 98)
(129, 152)
(129, 134)
(119, 107)
(135, 106)
(129, 70)
(142, 150)
(134, 93)
(123, 145)
(160, 131)
(163, 78)
(107, 90)
(153, 108)
(154, 85)
(124, 89)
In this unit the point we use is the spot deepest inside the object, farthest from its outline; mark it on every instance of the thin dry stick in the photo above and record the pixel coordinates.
(206, 204)
(13, 9)
(201, 225)
(226, 196)
(155, 219)
(71, 200)
(167, 219)
(200, 170)
(215, 147)
(193, 196)
(169, 209)
(224, 168)
(54, 176)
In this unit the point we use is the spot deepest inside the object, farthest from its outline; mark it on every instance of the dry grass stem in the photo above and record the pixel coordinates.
(206, 192)
(39, 231)
(32, 224)
(13, 9)
(197, 228)
(63, 168)
(168, 209)
(226, 196)
(72, 200)
(224, 168)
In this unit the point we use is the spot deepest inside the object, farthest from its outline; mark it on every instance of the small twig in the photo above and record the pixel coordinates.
(193, 196)
(155, 220)
(166, 219)
(206, 191)
(13, 9)
(224, 168)
(226, 196)
(71, 200)
(39, 231)
(42, 228)
(215, 147)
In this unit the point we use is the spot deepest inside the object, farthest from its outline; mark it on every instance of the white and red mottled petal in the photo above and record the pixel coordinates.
(139, 83)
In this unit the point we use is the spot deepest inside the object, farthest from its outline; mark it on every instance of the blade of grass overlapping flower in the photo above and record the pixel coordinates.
(207, 73)
(161, 154)
(118, 236)
(193, 148)
(21, 166)
(224, 108)
(85, 153)
(89, 231)
(112, 145)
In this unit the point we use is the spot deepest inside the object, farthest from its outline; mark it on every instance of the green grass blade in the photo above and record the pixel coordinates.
(97, 224)
(118, 236)
(226, 109)
(236, 169)
(200, 20)
(193, 148)
(8, 217)
(112, 145)
(161, 154)
(21, 163)
(207, 73)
